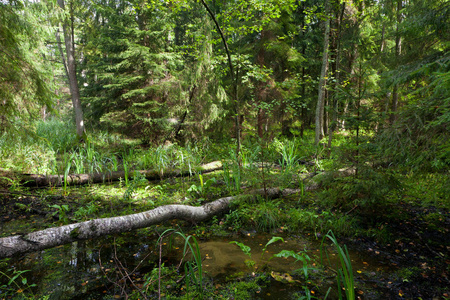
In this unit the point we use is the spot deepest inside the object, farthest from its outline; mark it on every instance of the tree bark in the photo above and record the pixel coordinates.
(322, 81)
(398, 51)
(334, 120)
(71, 70)
(52, 237)
(36, 180)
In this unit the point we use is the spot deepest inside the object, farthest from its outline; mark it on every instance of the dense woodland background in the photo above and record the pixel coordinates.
(342, 108)
(158, 70)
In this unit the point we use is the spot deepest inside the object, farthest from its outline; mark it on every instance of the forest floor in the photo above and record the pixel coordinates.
(419, 252)
(416, 244)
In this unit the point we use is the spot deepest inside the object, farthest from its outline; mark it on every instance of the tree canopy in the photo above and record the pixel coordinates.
(174, 70)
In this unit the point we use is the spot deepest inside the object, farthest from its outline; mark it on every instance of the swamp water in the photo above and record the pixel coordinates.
(96, 269)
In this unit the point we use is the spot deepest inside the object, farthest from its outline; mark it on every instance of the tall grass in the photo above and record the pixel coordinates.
(60, 136)
(23, 154)
(345, 279)
(193, 269)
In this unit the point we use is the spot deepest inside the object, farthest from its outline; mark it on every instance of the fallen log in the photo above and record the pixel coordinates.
(52, 237)
(37, 180)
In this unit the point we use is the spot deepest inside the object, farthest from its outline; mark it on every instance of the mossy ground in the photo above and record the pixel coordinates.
(399, 218)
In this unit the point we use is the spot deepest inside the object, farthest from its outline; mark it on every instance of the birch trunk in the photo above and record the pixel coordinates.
(52, 237)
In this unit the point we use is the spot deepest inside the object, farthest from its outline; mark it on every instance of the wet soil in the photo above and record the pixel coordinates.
(419, 250)
(417, 254)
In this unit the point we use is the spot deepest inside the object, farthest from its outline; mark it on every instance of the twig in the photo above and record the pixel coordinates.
(432, 251)
(127, 275)
(351, 210)
(159, 268)
(102, 268)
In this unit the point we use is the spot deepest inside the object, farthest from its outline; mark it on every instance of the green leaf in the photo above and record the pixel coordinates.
(288, 253)
(274, 240)
(246, 249)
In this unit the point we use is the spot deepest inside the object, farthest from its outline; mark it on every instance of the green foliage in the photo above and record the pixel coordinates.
(17, 285)
(243, 290)
(300, 256)
(247, 251)
(234, 221)
(61, 211)
(288, 151)
(419, 138)
(193, 269)
(244, 248)
(129, 75)
(60, 136)
(138, 180)
(152, 278)
(425, 190)
(168, 156)
(261, 213)
(369, 190)
(311, 221)
(232, 177)
(26, 82)
(87, 212)
(345, 277)
(202, 189)
(24, 155)
(289, 162)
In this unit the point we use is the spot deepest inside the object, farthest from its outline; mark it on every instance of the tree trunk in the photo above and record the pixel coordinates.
(382, 44)
(61, 51)
(71, 70)
(36, 180)
(333, 123)
(234, 79)
(56, 236)
(323, 81)
(398, 51)
(52, 237)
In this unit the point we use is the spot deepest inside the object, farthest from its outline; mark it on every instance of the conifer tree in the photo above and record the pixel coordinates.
(24, 78)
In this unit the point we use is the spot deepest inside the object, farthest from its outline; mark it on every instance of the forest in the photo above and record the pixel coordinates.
(245, 149)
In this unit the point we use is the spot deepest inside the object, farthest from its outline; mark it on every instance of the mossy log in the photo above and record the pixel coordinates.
(52, 237)
(37, 180)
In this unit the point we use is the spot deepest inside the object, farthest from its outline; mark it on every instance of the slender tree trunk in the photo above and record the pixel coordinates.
(303, 110)
(398, 51)
(333, 123)
(234, 78)
(382, 38)
(325, 114)
(323, 81)
(71, 69)
(61, 51)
